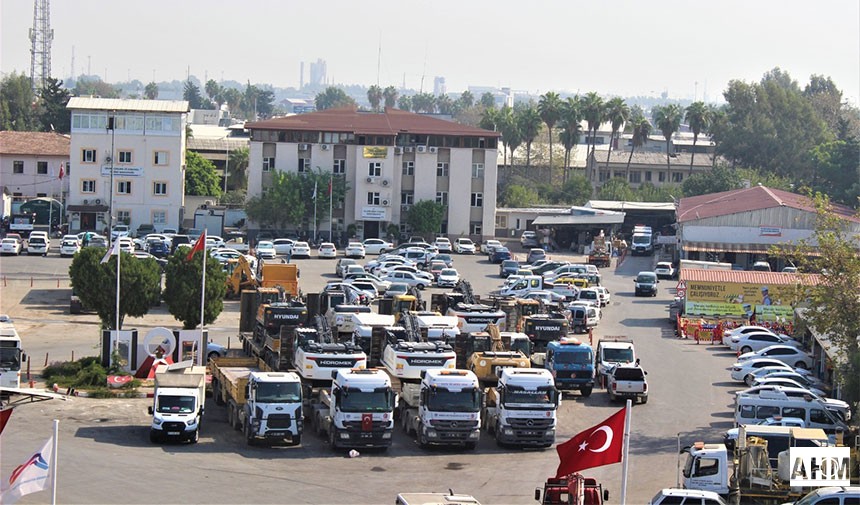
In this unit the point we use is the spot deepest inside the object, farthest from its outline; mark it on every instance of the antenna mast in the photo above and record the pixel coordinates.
(41, 36)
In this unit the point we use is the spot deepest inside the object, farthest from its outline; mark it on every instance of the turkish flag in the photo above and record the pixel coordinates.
(597, 446)
(200, 245)
(367, 422)
(4, 418)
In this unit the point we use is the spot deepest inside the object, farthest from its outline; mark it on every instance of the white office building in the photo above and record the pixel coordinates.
(134, 171)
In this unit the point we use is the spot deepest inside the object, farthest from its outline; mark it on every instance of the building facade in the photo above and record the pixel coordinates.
(390, 160)
(30, 165)
(127, 161)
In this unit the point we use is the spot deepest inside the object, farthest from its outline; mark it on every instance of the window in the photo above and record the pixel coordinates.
(159, 188)
(477, 170)
(677, 177)
(88, 155)
(636, 176)
(373, 198)
(159, 217)
(603, 176)
(339, 167)
(160, 158)
(88, 186)
(408, 168)
(443, 228)
(648, 175)
(374, 169)
(477, 199)
(706, 466)
(442, 169)
(17, 167)
(123, 216)
(501, 221)
(747, 411)
(269, 164)
(41, 195)
(661, 176)
(818, 416)
(42, 167)
(476, 228)
(407, 198)
(304, 165)
(442, 197)
(123, 187)
(125, 156)
(794, 412)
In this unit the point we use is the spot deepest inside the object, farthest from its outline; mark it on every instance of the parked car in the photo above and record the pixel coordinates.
(158, 248)
(144, 230)
(380, 285)
(377, 246)
(500, 254)
(686, 496)
(605, 296)
(741, 330)
(214, 241)
(535, 255)
(69, 247)
(354, 250)
(408, 278)
(38, 245)
(786, 382)
(98, 241)
(664, 270)
(545, 296)
(410, 269)
(301, 250)
(446, 258)
(488, 245)
(740, 369)
(177, 240)
(283, 246)
(761, 266)
(341, 264)
(327, 250)
(645, 284)
(12, 246)
(396, 288)
(265, 250)
(436, 267)
(508, 267)
(801, 376)
(448, 277)
(351, 269)
(119, 230)
(529, 239)
(126, 244)
(731, 435)
(464, 246)
(443, 244)
(831, 495)
(790, 355)
(751, 342)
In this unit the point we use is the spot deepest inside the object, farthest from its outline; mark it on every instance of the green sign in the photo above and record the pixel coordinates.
(716, 309)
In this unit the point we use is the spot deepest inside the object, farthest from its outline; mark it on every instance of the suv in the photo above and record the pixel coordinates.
(835, 495)
(535, 255)
(144, 230)
(529, 239)
(645, 284)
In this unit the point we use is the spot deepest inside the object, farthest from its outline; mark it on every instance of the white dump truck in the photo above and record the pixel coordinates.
(521, 409)
(178, 402)
(443, 409)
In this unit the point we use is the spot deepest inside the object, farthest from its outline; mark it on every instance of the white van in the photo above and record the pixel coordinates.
(750, 409)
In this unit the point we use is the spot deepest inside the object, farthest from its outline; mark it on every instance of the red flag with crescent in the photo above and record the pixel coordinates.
(4, 418)
(597, 446)
(367, 422)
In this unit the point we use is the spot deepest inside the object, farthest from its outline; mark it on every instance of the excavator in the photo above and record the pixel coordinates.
(240, 276)
(490, 350)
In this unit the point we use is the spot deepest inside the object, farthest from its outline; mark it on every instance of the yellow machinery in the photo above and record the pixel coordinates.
(580, 282)
(490, 351)
(241, 276)
(517, 310)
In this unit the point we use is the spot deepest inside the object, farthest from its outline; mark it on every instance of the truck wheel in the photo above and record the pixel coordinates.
(195, 437)
(586, 391)
(154, 437)
(332, 441)
(611, 396)
(422, 440)
(249, 438)
(644, 400)
(296, 440)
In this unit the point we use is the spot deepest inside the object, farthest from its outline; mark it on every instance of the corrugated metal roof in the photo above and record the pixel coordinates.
(622, 206)
(747, 277)
(209, 144)
(124, 104)
(579, 219)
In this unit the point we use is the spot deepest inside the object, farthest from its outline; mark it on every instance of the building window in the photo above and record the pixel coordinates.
(88, 155)
(42, 167)
(41, 195)
(501, 221)
(88, 186)
(442, 169)
(443, 228)
(159, 188)
(477, 199)
(407, 198)
(339, 167)
(476, 228)
(405, 229)
(603, 176)
(374, 169)
(125, 156)
(304, 165)
(17, 167)
(677, 177)
(373, 198)
(408, 168)
(160, 158)
(269, 164)
(159, 217)
(648, 176)
(123, 216)
(123, 187)
(636, 176)
(442, 197)
(477, 170)
(661, 176)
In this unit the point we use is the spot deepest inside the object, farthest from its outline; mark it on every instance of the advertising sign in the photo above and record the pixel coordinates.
(717, 309)
(375, 152)
(754, 294)
(770, 231)
(774, 312)
(123, 171)
(819, 466)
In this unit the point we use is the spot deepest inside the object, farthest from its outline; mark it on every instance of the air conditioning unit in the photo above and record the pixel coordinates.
(386, 182)
(303, 147)
(398, 150)
(385, 203)
(98, 201)
(86, 202)
(433, 150)
(370, 180)
(325, 147)
(421, 149)
(408, 149)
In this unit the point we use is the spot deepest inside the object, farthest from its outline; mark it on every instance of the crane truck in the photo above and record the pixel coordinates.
(521, 409)
(443, 409)
(178, 402)
(264, 405)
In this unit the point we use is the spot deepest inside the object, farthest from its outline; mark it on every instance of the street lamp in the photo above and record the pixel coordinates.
(112, 127)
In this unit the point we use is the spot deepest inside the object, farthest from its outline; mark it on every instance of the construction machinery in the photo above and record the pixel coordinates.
(241, 276)
(572, 489)
(270, 336)
(486, 352)
(516, 311)
(600, 253)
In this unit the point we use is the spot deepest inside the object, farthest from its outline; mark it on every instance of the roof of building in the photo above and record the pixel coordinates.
(677, 161)
(124, 104)
(747, 277)
(34, 143)
(222, 144)
(750, 199)
(563, 219)
(349, 120)
(622, 206)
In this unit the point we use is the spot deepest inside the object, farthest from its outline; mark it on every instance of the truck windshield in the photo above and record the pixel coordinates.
(442, 400)
(273, 392)
(175, 404)
(354, 400)
(522, 345)
(646, 279)
(641, 239)
(516, 398)
(10, 358)
(618, 355)
(573, 358)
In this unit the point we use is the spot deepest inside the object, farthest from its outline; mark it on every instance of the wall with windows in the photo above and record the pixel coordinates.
(28, 176)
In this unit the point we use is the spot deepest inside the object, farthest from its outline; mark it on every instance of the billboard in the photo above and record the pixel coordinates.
(741, 293)
(375, 152)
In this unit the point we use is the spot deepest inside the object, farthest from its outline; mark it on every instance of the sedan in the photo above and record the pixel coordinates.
(508, 267)
(408, 278)
(214, 241)
(327, 250)
(446, 258)
(801, 376)
(488, 245)
(69, 248)
(448, 277)
(464, 246)
(751, 342)
(535, 255)
(354, 250)
(38, 245)
(436, 267)
(740, 369)
(396, 289)
(380, 285)
(10, 246)
(412, 270)
(741, 330)
(376, 246)
(126, 244)
(301, 249)
(283, 246)
(500, 254)
(341, 265)
(664, 270)
(790, 355)
(443, 244)
(265, 250)
(786, 382)
(369, 289)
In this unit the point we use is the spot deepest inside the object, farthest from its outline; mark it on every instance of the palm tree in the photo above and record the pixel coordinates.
(641, 131)
(238, 176)
(592, 112)
(716, 127)
(390, 95)
(571, 131)
(374, 96)
(467, 99)
(668, 120)
(617, 113)
(529, 121)
(491, 120)
(510, 130)
(445, 104)
(151, 91)
(213, 90)
(698, 116)
(549, 108)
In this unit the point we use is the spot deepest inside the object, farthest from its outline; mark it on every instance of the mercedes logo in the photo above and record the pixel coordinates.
(530, 422)
(454, 424)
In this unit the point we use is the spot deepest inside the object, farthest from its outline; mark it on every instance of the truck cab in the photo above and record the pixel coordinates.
(643, 241)
(178, 403)
(521, 410)
(444, 409)
(11, 354)
(315, 361)
(613, 351)
(273, 407)
(358, 411)
(572, 365)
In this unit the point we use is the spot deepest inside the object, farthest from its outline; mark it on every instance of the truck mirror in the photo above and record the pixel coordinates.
(334, 374)
(537, 494)
(149, 409)
(23, 357)
(605, 495)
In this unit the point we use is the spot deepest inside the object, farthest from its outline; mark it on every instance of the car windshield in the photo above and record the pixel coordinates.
(641, 239)
(645, 278)
(273, 392)
(175, 404)
(448, 271)
(573, 358)
(510, 264)
(618, 355)
(354, 400)
(442, 400)
(515, 396)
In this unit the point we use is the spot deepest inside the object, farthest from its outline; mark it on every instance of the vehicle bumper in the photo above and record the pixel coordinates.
(535, 437)
(632, 396)
(167, 431)
(451, 437)
(571, 384)
(353, 439)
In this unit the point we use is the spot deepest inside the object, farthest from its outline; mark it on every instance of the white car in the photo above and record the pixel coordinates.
(383, 268)
(10, 246)
(126, 244)
(354, 250)
(801, 376)
(545, 296)
(686, 496)
(408, 278)
(590, 296)
(38, 245)
(412, 270)
(732, 435)
(377, 246)
(756, 341)
(664, 270)
(741, 330)
(225, 254)
(443, 244)
(488, 245)
(301, 249)
(76, 238)
(119, 230)
(741, 369)
(790, 355)
(785, 382)
(214, 242)
(464, 246)
(380, 285)
(69, 247)
(792, 392)
(283, 246)
(265, 250)
(327, 250)
(448, 277)
(369, 289)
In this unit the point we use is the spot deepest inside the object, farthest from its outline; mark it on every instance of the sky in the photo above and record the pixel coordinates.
(687, 49)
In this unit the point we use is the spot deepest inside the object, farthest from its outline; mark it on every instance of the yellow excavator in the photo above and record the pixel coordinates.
(490, 350)
(240, 276)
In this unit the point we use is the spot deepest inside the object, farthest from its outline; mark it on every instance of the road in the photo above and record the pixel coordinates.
(105, 452)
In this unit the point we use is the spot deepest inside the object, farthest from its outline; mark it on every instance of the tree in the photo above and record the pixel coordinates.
(54, 98)
(425, 217)
(668, 120)
(17, 110)
(549, 108)
(720, 178)
(518, 196)
(648, 192)
(404, 103)
(528, 123)
(200, 176)
(616, 188)
(467, 99)
(238, 168)
(510, 131)
(374, 96)
(445, 104)
(424, 102)
(151, 91)
(617, 113)
(183, 284)
(488, 100)
(281, 203)
(571, 130)
(93, 85)
(94, 283)
(233, 98)
(591, 107)
(698, 116)
(214, 91)
(717, 127)
(641, 131)
(576, 191)
(333, 98)
(191, 93)
(837, 171)
(390, 95)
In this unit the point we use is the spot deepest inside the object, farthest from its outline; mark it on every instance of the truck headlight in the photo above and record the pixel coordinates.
(157, 421)
(432, 433)
(508, 431)
(344, 435)
(191, 422)
(550, 433)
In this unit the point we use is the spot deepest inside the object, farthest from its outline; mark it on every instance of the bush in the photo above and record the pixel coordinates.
(86, 373)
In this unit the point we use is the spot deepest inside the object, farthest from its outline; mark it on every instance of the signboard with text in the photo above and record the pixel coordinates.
(123, 171)
(373, 213)
(755, 294)
(716, 309)
(375, 152)
(774, 312)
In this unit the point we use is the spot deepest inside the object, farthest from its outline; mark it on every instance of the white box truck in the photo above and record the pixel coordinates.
(178, 402)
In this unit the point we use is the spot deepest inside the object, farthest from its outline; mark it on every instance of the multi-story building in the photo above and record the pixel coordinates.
(391, 160)
(127, 161)
(30, 164)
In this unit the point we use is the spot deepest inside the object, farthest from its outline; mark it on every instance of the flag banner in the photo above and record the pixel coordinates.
(597, 446)
(30, 477)
(62, 170)
(200, 245)
(112, 251)
(4, 418)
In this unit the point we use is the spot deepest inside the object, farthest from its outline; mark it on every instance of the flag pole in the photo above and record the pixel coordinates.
(203, 288)
(314, 238)
(55, 463)
(330, 207)
(118, 263)
(625, 450)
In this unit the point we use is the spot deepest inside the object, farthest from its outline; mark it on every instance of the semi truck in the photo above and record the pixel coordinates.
(571, 364)
(11, 354)
(443, 409)
(178, 402)
(266, 406)
(521, 409)
(358, 410)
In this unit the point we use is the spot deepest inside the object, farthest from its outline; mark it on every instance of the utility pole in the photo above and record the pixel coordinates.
(41, 36)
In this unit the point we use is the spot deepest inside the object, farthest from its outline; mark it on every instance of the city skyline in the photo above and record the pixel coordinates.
(627, 48)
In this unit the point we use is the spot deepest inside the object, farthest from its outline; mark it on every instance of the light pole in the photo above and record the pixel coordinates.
(226, 164)
(112, 127)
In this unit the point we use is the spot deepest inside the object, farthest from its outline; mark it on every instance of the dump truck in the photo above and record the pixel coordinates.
(571, 363)
(601, 251)
(443, 409)
(178, 402)
(521, 409)
(572, 489)
(266, 406)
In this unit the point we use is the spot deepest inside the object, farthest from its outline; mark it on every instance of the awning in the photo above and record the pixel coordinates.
(737, 248)
(88, 208)
(573, 219)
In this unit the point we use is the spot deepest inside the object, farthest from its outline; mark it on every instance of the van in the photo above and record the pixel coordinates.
(583, 317)
(761, 266)
(750, 409)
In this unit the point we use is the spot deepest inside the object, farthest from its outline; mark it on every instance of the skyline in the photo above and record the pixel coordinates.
(572, 47)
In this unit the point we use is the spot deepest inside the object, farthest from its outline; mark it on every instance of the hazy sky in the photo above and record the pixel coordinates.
(631, 47)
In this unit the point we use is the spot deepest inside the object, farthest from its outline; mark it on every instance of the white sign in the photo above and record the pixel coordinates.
(373, 213)
(819, 466)
(123, 171)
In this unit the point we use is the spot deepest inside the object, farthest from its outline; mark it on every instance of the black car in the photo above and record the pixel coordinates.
(500, 254)
(508, 267)
(178, 239)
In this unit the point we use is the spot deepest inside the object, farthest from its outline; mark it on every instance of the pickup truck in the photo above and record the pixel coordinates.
(627, 382)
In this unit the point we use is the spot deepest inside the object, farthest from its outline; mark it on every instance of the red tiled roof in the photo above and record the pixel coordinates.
(747, 277)
(749, 199)
(34, 143)
(348, 120)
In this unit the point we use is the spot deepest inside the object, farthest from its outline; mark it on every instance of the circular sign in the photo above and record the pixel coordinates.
(159, 338)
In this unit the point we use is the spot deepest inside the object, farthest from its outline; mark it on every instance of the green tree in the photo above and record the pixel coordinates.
(549, 108)
(837, 171)
(17, 111)
(333, 98)
(445, 104)
(591, 106)
(404, 102)
(191, 93)
(424, 102)
(641, 131)
(280, 205)
(618, 189)
(91, 85)
(826, 100)
(576, 191)
(238, 168)
(214, 92)
(668, 120)
(425, 217)
(467, 99)
(55, 116)
(374, 96)
(617, 113)
(648, 192)
(488, 100)
(510, 131)
(234, 197)
(717, 127)
(201, 178)
(571, 130)
(389, 94)
(517, 196)
(183, 285)
(94, 283)
(233, 99)
(528, 124)
(698, 116)
(720, 178)
(151, 91)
